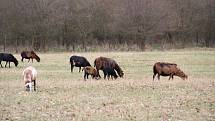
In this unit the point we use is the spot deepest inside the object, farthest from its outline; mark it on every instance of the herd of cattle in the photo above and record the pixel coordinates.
(109, 67)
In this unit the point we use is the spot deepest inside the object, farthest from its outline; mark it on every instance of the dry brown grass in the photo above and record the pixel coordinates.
(62, 95)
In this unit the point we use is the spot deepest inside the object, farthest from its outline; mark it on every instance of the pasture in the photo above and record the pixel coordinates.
(65, 96)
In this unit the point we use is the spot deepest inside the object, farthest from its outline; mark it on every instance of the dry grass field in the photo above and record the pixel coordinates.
(65, 96)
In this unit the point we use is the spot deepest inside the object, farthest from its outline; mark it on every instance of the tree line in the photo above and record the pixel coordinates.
(94, 25)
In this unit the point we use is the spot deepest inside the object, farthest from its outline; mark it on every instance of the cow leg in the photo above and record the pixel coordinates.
(98, 72)
(1, 64)
(28, 59)
(9, 64)
(108, 76)
(26, 86)
(34, 85)
(32, 60)
(104, 75)
(22, 59)
(170, 76)
(72, 67)
(79, 69)
(6, 64)
(30, 86)
(85, 76)
(154, 76)
(99, 75)
(92, 76)
(158, 76)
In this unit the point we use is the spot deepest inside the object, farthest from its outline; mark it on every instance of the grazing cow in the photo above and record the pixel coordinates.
(78, 61)
(101, 62)
(108, 71)
(29, 55)
(89, 70)
(8, 58)
(29, 75)
(167, 69)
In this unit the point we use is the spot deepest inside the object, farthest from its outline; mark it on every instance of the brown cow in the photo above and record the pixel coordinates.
(89, 70)
(102, 62)
(167, 69)
(29, 55)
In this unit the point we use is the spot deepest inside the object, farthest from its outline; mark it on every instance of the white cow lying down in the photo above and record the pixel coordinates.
(29, 75)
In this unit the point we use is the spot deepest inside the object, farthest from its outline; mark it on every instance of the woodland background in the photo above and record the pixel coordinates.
(100, 25)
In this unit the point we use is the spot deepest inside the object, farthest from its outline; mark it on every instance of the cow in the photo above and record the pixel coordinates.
(78, 61)
(29, 55)
(8, 58)
(29, 76)
(108, 71)
(168, 69)
(101, 62)
(89, 70)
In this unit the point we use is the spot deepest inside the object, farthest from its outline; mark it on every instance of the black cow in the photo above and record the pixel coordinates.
(8, 58)
(108, 71)
(78, 61)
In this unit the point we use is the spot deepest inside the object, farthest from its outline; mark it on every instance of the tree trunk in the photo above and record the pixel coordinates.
(5, 40)
(16, 45)
(197, 39)
(83, 45)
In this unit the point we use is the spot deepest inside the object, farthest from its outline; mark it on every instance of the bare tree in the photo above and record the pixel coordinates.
(81, 24)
